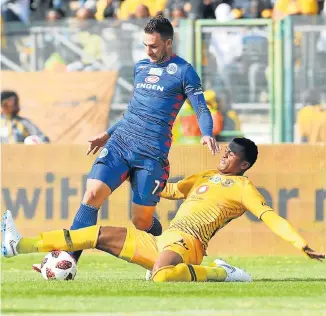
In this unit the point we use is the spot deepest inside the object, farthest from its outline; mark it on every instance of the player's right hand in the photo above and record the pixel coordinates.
(97, 142)
(312, 254)
(211, 143)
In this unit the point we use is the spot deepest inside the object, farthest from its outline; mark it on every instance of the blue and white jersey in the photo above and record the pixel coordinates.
(159, 92)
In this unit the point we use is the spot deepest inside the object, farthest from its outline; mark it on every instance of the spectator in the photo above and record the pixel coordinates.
(284, 8)
(203, 9)
(173, 5)
(14, 128)
(186, 129)
(105, 9)
(142, 12)
(128, 7)
(321, 6)
(309, 115)
(208, 8)
(41, 8)
(318, 131)
(252, 9)
(84, 14)
(223, 13)
(177, 15)
(54, 15)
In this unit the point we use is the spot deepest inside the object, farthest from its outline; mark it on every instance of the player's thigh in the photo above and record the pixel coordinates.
(139, 248)
(148, 179)
(187, 247)
(110, 167)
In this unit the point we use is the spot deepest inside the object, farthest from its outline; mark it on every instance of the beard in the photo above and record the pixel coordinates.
(162, 58)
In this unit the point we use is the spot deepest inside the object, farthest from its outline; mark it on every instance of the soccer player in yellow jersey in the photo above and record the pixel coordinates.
(212, 199)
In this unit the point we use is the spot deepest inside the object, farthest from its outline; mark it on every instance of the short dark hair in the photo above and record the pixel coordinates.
(250, 149)
(160, 25)
(311, 97)
(6, 94)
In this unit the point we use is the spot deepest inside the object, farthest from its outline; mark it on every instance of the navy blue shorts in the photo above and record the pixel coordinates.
(148, 176)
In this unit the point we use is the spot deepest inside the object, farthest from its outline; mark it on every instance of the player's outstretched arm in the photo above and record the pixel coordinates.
(205, 123)
(282, 228)
(181, 189)
(194, 92)
(254, 202)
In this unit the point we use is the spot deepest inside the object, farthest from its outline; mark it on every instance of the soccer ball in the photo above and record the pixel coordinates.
(58, 265)
(33, 140)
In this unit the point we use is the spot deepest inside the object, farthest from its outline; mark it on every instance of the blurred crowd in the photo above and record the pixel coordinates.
(26, 11)
(234, 63)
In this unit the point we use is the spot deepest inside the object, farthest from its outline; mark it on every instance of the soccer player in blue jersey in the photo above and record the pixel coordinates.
(138, 145)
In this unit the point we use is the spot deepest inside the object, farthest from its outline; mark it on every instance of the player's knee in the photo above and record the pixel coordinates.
(169, 273)
(142, 217)
(142, 222)
(93, 196)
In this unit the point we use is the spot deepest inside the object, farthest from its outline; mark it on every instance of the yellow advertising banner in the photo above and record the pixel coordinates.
(43, 186)
(68, 107)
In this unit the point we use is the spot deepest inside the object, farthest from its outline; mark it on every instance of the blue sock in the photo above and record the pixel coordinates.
(156, 229)
(86, 216)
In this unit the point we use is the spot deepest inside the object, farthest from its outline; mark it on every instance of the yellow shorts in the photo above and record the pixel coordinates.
(143, 248)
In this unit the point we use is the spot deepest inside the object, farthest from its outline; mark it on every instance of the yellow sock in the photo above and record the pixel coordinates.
(67, 240)
(28, 245)
(188, 273)
(216, 274)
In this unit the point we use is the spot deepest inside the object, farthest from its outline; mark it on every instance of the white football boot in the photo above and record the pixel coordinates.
(234, 274)
(10, 236)
(148, 276)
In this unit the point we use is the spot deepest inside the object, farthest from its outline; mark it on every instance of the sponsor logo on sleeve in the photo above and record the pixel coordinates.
(198, 91)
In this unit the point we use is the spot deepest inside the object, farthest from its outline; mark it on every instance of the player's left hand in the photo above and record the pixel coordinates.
(212, 144)
(312, 254)
(97, 142)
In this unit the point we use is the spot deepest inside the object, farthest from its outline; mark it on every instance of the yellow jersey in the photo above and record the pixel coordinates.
(311, 121)
(211, 201)
(318, 130)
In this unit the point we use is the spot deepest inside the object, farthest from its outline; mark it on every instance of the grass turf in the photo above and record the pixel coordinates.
(105, 285)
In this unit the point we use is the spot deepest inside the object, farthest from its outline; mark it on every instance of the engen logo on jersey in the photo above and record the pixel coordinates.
(152, 79)
(148, 84)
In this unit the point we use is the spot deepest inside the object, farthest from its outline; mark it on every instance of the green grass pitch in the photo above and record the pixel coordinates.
(107, 286)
